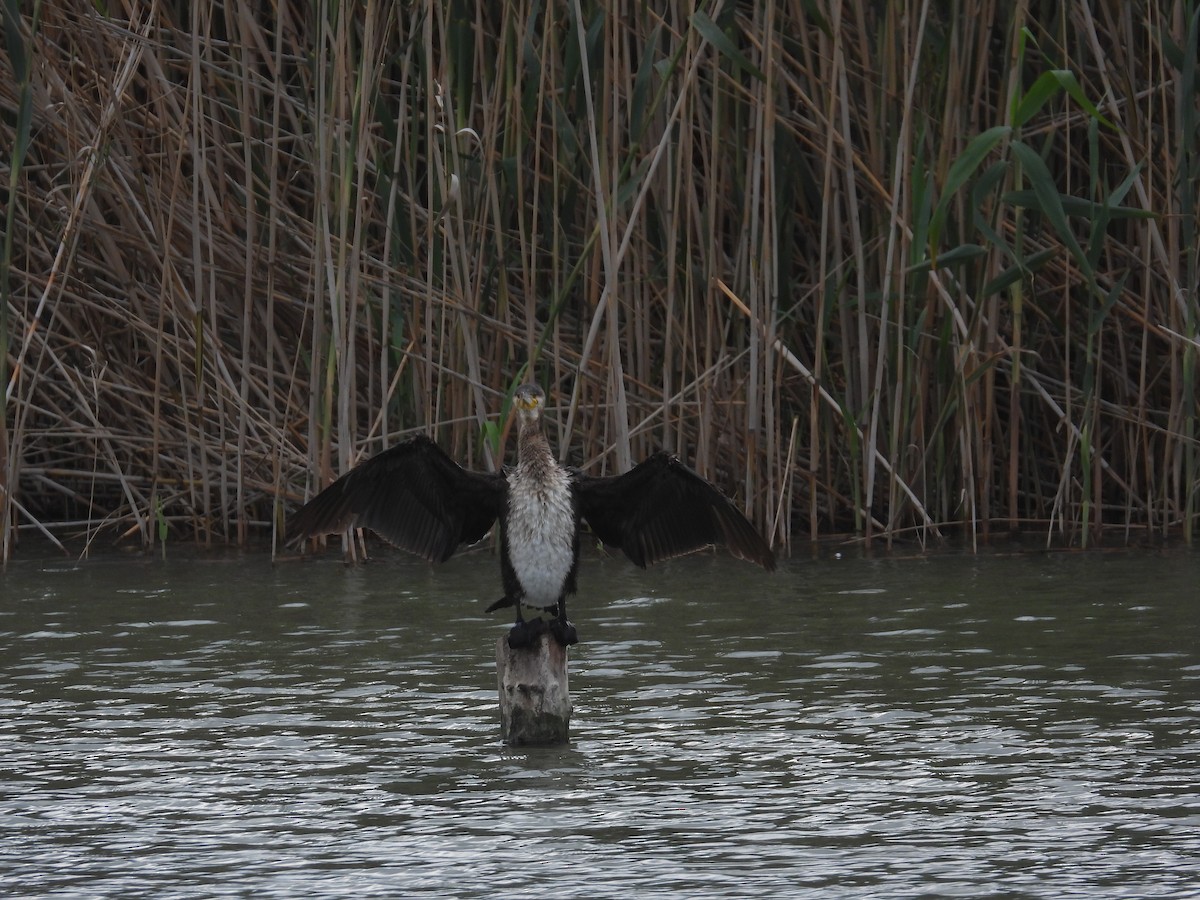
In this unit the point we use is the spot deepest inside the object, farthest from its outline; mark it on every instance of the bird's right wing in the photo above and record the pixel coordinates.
(413, 495)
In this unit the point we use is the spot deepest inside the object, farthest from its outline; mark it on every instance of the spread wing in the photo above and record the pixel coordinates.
(660, 508)
(414, 495)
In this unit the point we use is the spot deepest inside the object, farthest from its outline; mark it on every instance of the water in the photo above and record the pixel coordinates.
(953, 726)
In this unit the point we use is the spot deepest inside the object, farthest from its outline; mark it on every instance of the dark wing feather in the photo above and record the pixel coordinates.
(414, 495)
(660, 508)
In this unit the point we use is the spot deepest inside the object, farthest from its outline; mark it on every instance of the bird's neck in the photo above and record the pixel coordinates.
(533, 450)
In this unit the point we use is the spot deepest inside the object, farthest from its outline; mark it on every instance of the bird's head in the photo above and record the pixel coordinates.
(529, 400)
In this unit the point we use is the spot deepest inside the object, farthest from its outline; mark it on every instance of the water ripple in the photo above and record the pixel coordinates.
(310, 734)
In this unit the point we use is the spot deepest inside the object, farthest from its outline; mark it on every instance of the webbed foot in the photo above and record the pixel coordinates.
(564, 632)
(525, 633)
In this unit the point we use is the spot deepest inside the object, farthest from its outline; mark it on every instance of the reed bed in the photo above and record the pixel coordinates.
(893, 271)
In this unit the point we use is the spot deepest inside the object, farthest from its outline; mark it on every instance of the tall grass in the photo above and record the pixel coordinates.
(891, 270)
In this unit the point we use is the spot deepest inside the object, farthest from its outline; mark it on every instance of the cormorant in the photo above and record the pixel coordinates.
(419, 499)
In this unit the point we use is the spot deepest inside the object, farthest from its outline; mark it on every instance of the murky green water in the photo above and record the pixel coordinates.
(1024, 726)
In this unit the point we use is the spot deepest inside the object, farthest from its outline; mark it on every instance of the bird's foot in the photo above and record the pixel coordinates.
(525, 633)
(564, 632)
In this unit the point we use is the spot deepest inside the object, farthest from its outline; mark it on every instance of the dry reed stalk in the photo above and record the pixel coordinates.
(891, 249)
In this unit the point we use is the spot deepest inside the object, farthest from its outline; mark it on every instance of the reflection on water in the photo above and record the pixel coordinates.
(945, 726)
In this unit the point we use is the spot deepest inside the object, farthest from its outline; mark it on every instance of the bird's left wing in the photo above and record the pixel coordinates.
(413, 495)
(660, 508)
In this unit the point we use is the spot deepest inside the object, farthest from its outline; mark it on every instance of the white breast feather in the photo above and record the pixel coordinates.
(540, 531)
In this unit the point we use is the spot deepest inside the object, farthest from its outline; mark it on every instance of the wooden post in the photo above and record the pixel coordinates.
(535, 705)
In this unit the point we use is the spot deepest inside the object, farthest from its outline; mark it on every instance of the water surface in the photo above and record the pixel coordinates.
(950, 726)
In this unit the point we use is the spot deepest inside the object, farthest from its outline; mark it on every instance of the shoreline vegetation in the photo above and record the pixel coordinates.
(891, 271)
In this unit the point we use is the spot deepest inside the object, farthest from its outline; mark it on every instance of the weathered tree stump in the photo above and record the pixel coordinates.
(535, 705)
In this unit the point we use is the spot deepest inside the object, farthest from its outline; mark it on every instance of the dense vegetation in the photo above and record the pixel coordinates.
(883, 269)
